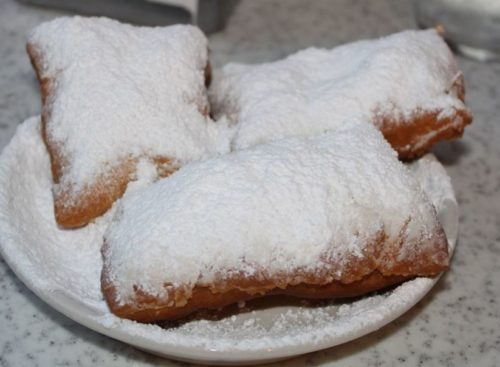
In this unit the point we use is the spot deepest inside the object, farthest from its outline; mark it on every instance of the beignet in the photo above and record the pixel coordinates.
(114, 94)
(407, 84)
(333, 215)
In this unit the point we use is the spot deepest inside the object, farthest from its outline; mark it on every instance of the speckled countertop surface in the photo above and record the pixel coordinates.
(457, 324)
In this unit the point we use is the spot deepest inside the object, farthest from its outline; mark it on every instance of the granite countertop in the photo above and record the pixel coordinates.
(457, 324)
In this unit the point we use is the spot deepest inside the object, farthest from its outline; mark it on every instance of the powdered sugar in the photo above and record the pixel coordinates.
(316, 89)
(125, 92)
(51, 260)
(293, 204)
(68, 260)
(437, 184)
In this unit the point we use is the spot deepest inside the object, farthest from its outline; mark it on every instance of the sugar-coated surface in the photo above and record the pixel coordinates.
(317, 89)
(455, 325)
(53, 261)
(123, 91)
(293, 204)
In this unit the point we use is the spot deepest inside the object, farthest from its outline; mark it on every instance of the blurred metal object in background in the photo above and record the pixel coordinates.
(472, 27)
(209, 15)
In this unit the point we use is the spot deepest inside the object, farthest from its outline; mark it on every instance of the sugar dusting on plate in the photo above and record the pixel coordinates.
(49, 259)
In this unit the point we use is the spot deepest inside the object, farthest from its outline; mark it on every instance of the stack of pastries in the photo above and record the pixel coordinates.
(278, 178)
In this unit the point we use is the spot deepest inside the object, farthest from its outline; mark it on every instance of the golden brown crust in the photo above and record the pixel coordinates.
(412, 139)
(73, 211)
(203, 298)
(380, 266)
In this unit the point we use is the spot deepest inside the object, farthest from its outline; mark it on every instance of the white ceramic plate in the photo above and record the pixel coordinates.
(43, 257)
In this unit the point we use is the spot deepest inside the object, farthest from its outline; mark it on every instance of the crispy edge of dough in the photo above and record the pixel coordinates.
(361, 275)
(203, 298)
(92, 201)
(412, 139)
